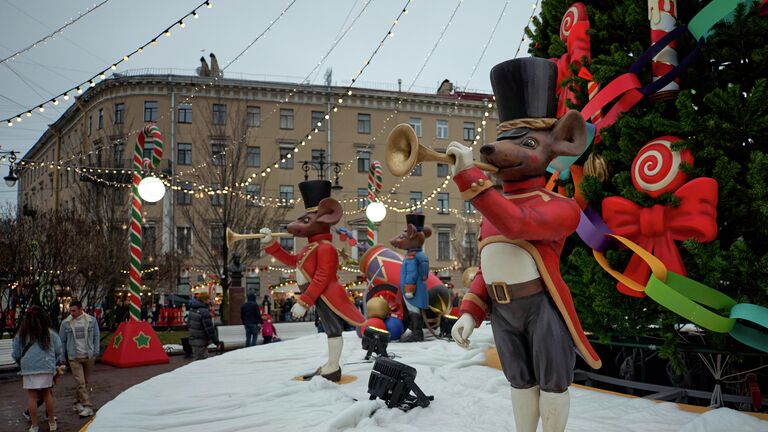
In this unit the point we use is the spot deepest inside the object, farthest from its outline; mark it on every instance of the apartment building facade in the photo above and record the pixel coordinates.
(219, 142)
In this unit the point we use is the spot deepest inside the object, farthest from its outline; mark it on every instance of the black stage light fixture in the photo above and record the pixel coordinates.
(375, 341)
(446, 324)
(393, 382)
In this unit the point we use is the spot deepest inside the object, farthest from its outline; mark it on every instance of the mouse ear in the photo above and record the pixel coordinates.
(427, 232)
(329, 211)
(410, 230)
(569, 135)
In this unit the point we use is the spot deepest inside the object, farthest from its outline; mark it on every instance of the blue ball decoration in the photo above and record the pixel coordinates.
(395, 327)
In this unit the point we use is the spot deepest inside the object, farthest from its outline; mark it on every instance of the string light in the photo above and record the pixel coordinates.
(52, 35)
(114, 65)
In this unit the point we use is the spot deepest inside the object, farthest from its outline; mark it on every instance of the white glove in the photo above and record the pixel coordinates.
(463, 329)
(463, 155)
(267, 239)
(298, 310)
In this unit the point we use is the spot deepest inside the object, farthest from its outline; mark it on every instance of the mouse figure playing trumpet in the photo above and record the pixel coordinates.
(535, 325)
(316, 266)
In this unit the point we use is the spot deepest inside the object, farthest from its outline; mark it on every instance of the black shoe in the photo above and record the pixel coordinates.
(311, 375)
(334, 376)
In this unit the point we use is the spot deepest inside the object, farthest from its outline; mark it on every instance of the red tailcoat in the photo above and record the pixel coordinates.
(318, 261)
(535, 219)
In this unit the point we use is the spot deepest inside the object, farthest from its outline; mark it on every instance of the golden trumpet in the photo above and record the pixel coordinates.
(233, 236)
(404, 151)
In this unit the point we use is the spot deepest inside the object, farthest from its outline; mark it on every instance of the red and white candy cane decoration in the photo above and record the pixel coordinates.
(656, 168)
(663, 16)
(140, 164)
(374, 187)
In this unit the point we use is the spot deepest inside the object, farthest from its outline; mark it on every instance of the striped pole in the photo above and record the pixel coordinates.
(662, 15)
(139, 164)
(374, 186)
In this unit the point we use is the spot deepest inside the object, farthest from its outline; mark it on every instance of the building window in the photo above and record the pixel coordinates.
(442, 202)
(286, 195)
(442, 170)
(217, 238)
(184, 240)
(363, 161)
(416, 125)
(185, 113)
(253, 156)
(443, 245)
(364, 124)
(253, 248)
(285, 150)
(317, 157)
(253, 193)
(217, 153)
(362, 197)
(469, 131)
(286, 119)
(148, 240)
(219, 114)
(442, 129)
(184, 195)
(184, 154)
(416, 170)
(90, 125)
(150, 111)
(415, 200)
(253, 116)
(148, 147)
(100, 122)
(117, 153)
(470, 246)
(468, 208)
(287, 243)
(119, 113)
(318, 120)
(217, 199)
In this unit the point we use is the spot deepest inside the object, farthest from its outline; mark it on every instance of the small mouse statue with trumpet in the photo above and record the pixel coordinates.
(524, 226)
(316, 266)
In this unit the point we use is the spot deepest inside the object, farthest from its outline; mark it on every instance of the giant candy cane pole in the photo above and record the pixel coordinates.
(663, 16)
(152, 133)
(374, 186)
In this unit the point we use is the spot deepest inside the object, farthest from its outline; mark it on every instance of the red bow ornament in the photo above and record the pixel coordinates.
(656, 228)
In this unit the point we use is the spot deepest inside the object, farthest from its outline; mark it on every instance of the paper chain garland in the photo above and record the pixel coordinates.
(694, 301)
(152, 133)
(627, 87)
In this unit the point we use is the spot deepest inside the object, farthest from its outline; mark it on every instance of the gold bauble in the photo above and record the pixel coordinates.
(378, 308)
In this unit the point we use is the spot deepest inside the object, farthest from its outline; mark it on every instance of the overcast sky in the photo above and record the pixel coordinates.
(288, 52)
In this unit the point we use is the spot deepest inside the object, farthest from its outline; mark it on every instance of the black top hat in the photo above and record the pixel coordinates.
(524, 88)
(416, 220)
(314, 191)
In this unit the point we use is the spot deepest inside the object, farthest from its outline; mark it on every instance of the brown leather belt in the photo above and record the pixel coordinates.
(504, 293)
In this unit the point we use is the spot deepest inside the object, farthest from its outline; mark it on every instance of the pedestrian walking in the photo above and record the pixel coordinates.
(251, 317)
(79, 334)
(268, 329)
(37, 349)
(201, 328)
(266, 305)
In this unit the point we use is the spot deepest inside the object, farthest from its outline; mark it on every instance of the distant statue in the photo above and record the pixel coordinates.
(215, 70)
(236, 269)
(446, 88)
(203, 70)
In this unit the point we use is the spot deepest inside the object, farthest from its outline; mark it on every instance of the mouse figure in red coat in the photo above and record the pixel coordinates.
(535, 326)
(316, 266)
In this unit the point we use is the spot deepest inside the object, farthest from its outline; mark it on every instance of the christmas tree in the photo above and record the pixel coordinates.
(721, 114)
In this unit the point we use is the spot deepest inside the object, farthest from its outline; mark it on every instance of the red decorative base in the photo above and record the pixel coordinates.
(135, 343)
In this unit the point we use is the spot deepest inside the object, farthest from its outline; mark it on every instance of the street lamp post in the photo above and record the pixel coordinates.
(11, 178)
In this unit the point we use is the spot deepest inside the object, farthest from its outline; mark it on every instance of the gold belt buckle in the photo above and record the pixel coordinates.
(497, 287)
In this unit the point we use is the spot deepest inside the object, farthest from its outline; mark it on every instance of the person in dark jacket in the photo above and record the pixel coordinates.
(201, 328)
(251, 317)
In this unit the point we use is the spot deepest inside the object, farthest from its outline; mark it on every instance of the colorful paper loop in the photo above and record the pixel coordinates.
(748, 335)
(593, 231)
(657, 267)
(718, 10)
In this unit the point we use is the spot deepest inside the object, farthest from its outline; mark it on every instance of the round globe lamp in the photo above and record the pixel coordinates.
(151, 189)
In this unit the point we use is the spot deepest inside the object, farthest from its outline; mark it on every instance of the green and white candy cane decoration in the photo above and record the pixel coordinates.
(151, 133)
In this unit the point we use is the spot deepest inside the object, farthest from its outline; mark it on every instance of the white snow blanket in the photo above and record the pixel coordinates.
(251, 390)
